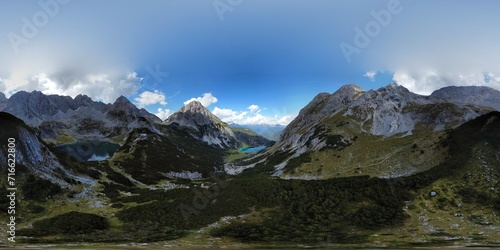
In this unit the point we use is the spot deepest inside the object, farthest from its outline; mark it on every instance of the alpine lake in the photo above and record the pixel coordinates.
(90, 150)
(251, 149)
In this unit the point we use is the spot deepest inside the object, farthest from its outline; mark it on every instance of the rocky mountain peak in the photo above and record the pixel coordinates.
(350, 88)
(56, 115)
(346, 94)
(394, 109)
(125, 111)
(195, 107)
(468, 95)
(83, 100)
(194, 114)
(194, 104)
(123, 102)
(206, 126)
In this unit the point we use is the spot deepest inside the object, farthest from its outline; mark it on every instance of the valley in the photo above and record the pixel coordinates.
(383, 167)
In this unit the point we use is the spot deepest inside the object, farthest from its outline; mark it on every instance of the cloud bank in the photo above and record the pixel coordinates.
(147, 98)
(252, 117)
(206, 100)
(101, 87)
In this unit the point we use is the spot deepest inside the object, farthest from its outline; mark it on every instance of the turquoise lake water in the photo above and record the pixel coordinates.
(252, 150)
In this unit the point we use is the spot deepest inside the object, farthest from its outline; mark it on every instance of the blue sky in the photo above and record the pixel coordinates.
(248, 61)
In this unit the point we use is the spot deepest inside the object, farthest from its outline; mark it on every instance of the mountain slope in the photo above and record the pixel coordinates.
(32, 155)
(206, 127)
(456, 202)
(438, 185)
(62, 119)
(203, 125)
(387, 132)
(149, 157)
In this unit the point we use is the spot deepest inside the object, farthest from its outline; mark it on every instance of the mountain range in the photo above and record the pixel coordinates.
(62, 119)
(335, 128)
(376, 167)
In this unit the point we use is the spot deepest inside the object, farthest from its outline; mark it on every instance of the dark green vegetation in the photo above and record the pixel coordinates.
(312, 211)
(460, 142)
(343, 210)
(337, 210)
(71, 223)
(146, 155)
(34, 188)
(301, 210)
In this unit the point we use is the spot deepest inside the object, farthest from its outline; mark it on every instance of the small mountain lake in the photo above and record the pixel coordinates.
(251, 149)
(90, 150)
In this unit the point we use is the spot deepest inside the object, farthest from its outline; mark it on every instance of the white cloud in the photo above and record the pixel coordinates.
(425, 82)
(206, 100)
(285, 120)
(147, 98)
(244, 117)
(222, 113)
(101, 87)
(254, 108)
(260, 119)
(434, 56)
(163, 113)
(229, 115)
(371, 75)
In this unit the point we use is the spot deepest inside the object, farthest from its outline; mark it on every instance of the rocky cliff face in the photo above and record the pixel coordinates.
(31, 153)
(389, 117)
(124, 111)
(469, 95)
(62, 118)
(204, 125)
(393, 109)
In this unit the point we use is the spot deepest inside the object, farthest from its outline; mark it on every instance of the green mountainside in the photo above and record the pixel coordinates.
(331, 179)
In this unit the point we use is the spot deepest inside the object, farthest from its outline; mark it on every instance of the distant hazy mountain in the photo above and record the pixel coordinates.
(271, 132)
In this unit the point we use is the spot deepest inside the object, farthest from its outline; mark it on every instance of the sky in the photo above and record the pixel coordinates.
(247, 61)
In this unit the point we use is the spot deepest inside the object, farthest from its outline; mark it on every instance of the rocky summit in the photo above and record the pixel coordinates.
(62, 119)
(327, 137)
(193, 115)
(207, 127)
